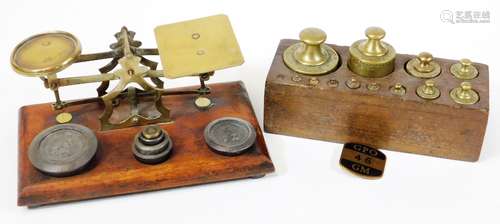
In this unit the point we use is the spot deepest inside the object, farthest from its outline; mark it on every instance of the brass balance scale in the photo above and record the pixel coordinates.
(47, 54)
(186, 49)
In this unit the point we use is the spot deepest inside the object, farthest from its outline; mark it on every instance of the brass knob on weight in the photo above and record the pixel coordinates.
(464, 94)
(311, 56)
(372, 57)
(464, 69)
(398, 89)
(152, 132)
(312, 53)
(428, 91)
(423, 66)
(152, 145)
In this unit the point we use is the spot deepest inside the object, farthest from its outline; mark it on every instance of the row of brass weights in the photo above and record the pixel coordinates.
(373, 58)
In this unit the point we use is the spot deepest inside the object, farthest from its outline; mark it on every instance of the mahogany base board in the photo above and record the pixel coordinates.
(115, 171)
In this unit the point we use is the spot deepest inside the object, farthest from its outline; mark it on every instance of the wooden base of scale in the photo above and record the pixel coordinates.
(115, 171)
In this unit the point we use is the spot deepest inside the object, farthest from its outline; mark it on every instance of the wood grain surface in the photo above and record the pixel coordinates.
(115, 171)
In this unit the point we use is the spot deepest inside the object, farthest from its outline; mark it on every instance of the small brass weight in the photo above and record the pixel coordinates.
(210, 45)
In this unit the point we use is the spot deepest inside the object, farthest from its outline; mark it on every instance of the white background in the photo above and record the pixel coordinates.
(308, 186)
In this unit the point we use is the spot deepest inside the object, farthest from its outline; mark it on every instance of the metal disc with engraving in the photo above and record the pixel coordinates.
(230, 136)
(63, 150)
(363, 160)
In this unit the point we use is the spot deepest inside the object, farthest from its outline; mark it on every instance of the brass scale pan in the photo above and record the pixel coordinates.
(45, 53)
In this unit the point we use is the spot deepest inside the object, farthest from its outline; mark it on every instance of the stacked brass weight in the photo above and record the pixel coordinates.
(311, 56)
(152, 145)
(372, 57)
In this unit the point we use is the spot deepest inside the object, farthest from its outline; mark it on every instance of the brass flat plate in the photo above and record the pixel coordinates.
(197, 46)
(45, 53)
(363, 161)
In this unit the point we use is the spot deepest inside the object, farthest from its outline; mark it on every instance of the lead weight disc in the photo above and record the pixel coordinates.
(363, 161)
(230, 136)
(63, 150)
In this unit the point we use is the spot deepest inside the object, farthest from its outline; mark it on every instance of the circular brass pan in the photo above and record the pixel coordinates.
(410, 68)
(45, 53)
(330, 64)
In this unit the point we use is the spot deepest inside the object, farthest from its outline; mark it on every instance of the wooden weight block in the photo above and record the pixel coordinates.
(323, 107)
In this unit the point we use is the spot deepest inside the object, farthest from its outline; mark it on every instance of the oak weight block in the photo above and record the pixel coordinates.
(383, 112)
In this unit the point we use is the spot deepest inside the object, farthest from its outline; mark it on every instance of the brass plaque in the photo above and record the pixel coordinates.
(363, 160)
(197, 46)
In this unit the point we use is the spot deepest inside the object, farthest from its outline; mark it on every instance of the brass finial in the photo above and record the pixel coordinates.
(373, 45)
(464, 94)
(313, 81)
(373, 86)
(151, 132)
(353, 83)
(428, 91)
(372, 57)
(311, 56)
(423, 66)
(464, 69)
(398, 89)
(311, 53)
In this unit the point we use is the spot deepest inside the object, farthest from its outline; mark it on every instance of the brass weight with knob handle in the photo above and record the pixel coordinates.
(423, 66)
(311, 56)
(372, 57)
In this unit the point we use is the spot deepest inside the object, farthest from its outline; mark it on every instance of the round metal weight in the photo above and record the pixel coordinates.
(63, 150)
(152, 149)
(230, 136)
